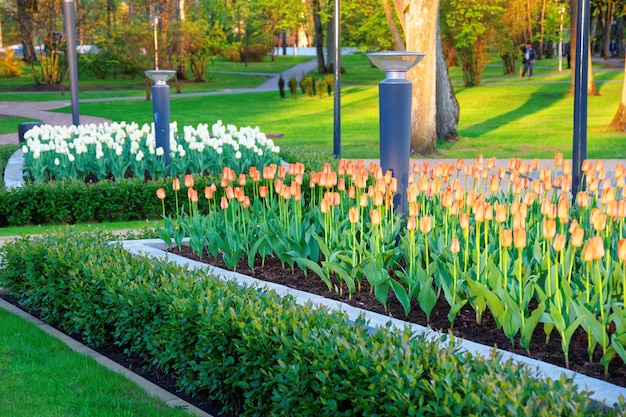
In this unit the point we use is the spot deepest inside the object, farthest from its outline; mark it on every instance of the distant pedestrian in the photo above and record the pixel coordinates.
(528, 59)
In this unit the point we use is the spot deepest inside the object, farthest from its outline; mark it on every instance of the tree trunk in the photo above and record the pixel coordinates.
(619, 120)
(591, 85)
(606, 30)
(398, 43)
(330, 44)
(319, 37)
(25, 10)
(540, 51)
(447, 104)
(421, 26)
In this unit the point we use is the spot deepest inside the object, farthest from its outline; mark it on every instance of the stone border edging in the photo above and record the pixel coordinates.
(601, 390)
(153, 390)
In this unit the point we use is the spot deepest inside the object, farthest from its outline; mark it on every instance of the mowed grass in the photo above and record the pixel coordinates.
(40, 376)
(504, 117)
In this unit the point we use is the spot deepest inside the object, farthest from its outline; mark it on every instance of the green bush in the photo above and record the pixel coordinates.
(262, 354)
(69, 202)
(293, 86)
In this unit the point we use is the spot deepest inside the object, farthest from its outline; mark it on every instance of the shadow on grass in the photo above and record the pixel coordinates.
(545, 96)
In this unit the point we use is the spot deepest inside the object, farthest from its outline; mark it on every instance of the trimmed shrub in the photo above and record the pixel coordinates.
(262, 354)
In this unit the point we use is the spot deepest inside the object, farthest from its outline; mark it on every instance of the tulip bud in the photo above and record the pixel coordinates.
(410, 223)
(374, 217)
(559, 242)
(160, 194)
(506, 238)
(353, 215)
(176, 184)
(426, 224)
(192, 195)
(208, 192)
(464, 221)
(188, 181)
(578, 235)
(455, 246)
(519, 238)
(224, 203)
(621, 250)
(549, 228)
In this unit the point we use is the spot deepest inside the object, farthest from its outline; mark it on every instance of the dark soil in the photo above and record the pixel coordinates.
(465, 325)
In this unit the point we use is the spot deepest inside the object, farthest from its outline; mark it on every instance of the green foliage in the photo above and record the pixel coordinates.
(9, 66)
(281, 86)
(293, 86)
(469, 23)
(261, 354)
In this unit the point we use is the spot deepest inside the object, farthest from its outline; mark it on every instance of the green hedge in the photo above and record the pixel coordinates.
(69, 202)
(262, 354)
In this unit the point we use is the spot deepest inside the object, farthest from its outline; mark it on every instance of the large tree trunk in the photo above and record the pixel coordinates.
(398, 43)
(319, 37)
(606, 30)
(591, 85)
(447, 105)
(619, 120)
(421, 30)
(540, 51)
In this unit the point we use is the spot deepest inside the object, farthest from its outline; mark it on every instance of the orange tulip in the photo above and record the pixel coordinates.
(455, 246)
(597, 247)
(410, 223)
(567, 167)
(519, 221)
(242, 179)
(224, 203)
(325, 206)
(230, 193)
(414, 208)
(558, 159)
(161, 194)
(506, 238)
(353, 215)
(519, 238)
(621, 250)
(578, 235)
(500, 212)
(263, 190)
(375, 217)
(549, 228)
(582, 199)
(426, 224)
(208, 192)
(464, 221)
(562, 209)
(364, 200)
(189, 180)
(559, 242)
(176, 184)
(192, 195)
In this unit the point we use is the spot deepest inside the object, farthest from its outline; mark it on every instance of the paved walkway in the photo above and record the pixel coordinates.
(41, 111)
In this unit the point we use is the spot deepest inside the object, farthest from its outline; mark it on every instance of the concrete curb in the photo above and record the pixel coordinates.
(601, 390)
(153, 390)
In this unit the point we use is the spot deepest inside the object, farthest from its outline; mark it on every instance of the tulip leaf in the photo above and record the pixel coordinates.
(313, 266)
(530, 324)
(401, 295)
(427, 297)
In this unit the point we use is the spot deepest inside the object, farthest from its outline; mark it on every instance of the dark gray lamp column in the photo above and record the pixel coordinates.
(395, 95)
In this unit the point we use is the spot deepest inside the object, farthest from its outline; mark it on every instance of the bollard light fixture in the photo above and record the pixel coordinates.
(395, 96)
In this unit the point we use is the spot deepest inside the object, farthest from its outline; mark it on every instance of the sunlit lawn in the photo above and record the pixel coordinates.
(505, 116)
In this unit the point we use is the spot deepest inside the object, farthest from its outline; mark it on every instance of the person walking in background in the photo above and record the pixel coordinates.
(529, 59)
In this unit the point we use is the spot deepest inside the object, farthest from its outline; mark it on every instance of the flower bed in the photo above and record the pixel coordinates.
(119, 150)
(495, 239)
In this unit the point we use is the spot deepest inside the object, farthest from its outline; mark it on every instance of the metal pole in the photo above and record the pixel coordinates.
(337, 81)
(70, 36)
(161, 111)
(155, 24)
(580, 95)
(395, 134)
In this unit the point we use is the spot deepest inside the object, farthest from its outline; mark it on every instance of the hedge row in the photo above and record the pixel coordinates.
(262, 354)
(69, 202)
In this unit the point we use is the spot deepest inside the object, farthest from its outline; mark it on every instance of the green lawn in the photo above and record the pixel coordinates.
(40, 376)
(505, 116)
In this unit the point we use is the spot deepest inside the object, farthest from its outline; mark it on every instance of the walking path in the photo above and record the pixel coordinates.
(41, 111)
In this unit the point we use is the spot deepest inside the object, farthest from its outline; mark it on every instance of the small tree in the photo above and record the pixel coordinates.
(469, 22)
